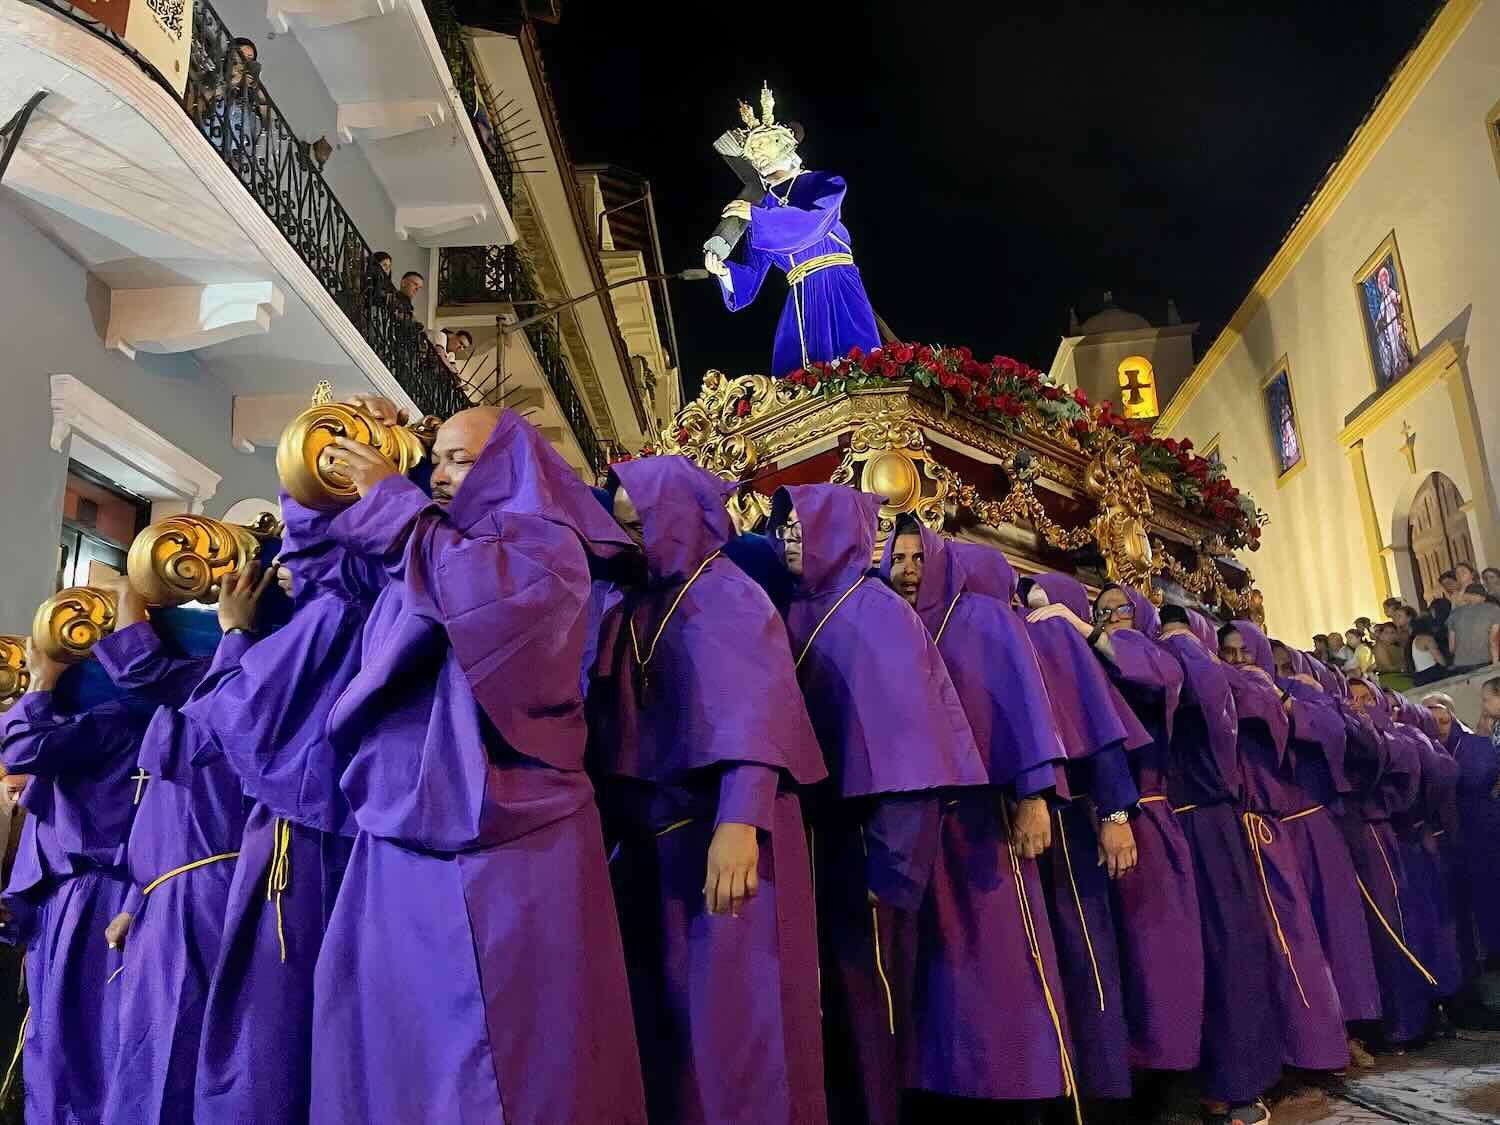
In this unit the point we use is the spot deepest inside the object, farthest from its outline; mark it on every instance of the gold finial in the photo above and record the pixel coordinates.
(68, 623)
(14, 676)
(322, 393)
(767, 105)
(747, 115)
(186, 558)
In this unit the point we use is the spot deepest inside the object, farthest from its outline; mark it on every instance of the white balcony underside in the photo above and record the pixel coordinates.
(113, 171)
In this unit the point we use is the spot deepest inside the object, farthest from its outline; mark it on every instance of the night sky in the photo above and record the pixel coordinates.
(1002, 165)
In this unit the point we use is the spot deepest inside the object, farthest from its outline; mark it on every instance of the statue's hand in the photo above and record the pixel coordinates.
(737, 209)
(715, 265)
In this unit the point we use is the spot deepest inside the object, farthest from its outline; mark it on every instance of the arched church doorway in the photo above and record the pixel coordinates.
(1437, 534)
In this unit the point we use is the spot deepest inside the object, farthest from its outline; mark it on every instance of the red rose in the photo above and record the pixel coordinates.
(902, 353)
(964, 387)
(683, 435)
(924, 354)
(982, 401)
(1051, 393)
(1186, 444)
(889, 368)
(1080, 427)
(1171, 445)
(965, 354)
(946, 379)
(742, 408)
(1080, 398)
(856, 353)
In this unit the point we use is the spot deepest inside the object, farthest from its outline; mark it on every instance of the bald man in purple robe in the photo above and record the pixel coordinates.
(893, 734)
(985, 959)
(181, 851)
(77, 737)
(699, 742)
(478, 870)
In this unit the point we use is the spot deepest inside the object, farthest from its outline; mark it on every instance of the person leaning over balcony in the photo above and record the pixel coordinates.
(403, 303)
(238, 102)
(1474, 629)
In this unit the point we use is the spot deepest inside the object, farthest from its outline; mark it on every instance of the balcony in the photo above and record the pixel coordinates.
(490, 280)
(229, 105)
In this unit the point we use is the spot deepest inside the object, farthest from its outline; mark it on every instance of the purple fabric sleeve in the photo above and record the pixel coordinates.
(135, 900)
(785, 229)
(747, 795)
(36, 738)
(747, 279)
(380, 523)
(229, 654)
(901, 844)
(1038, 779)
(1111, 785)
(140, 664)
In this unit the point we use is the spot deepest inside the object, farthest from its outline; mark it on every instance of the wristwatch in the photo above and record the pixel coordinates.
(241, 631)
(1118, 817)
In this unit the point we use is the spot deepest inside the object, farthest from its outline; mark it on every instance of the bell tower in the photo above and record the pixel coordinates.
(1121, 356)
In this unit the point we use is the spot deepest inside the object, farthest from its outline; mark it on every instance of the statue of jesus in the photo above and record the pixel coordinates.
(796, 227)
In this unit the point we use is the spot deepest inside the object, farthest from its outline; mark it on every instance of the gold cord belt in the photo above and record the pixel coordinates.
(1259, 833)
(798, 273)
(1300, 815)
(1083, 922)
(185, 868)
(280, 874)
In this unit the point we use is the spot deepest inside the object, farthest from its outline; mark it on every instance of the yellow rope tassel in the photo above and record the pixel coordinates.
(15, 1059)
(951, 606)
(111, 978)
(1028, 923)
(1395, 888)
(890, 1001)
(669, 829)
(1260, 833)
(281, 875)
(1184, 809)
(801, 656)
(1062, 839)
(1386, 926)
(1153, 799)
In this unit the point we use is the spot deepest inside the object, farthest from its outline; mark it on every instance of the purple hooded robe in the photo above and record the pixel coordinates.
(1479, 820)
(892, 731)
(1311, 1017)
(68, 882)
(1241, 1047)
(265, 703)
(479, 866)
(1156, 905)
(1385, 770)
(988, 999)
(1318, 740)
(1097, 726)
(180, 857)
(701, 736)
(827, 313)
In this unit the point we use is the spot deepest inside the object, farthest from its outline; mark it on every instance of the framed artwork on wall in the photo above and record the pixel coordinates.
(1281, 418)
(1385, 313)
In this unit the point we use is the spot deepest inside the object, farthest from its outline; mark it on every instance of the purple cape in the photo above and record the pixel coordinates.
(701, 724)
(976, 966)
(877, 690)
(1256, 699)
(1479, 818)
(993, 666)
(717, 649)
(267, 704)
(479, 862)
(67, 883)
(828, 313)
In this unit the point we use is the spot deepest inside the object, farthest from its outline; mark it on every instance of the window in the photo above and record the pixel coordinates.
(1385, 312)
(99, 520)
(1281, 415)
(1137, 388)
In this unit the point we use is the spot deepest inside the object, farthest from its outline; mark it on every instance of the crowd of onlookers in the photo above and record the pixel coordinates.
(1458, 632)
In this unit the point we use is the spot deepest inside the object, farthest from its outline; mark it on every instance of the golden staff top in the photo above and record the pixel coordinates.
(69, 623)
(14, 676)
(307, 463)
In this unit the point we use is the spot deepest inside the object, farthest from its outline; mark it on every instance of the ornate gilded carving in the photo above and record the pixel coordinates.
(714, 429)
(307, 466)
(1114, 479)
(889, 458)
(1204, 581)
(69, 623)
(186, 558)
(747, 509)
(15, 678)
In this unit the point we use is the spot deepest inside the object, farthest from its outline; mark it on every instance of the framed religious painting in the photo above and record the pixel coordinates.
(1281, 416)
(1385, 313)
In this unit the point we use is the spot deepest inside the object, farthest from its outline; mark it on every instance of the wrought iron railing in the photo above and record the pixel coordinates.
(473, 92)
(470, 275)
(227, 100)
(547, 348)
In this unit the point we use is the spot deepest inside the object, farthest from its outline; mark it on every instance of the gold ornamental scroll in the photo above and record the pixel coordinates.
(15, 677)
(306, 462)
(69, 623)
(186, 558)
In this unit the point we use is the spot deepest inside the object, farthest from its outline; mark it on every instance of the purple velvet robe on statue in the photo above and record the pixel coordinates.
(1312, 1019)
(1156, 905)
(711, 730)
(1241, 1048)
(988, 1000)
(1317, 751)
(827, 313)
(1097, 727)
(472, 968)
(191, 812)
(892, 731)
(68, 882)
(266, 705)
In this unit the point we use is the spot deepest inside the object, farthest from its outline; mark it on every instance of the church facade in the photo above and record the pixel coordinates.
(1356, 391)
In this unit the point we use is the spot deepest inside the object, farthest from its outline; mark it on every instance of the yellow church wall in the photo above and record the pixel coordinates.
(1423, 166)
